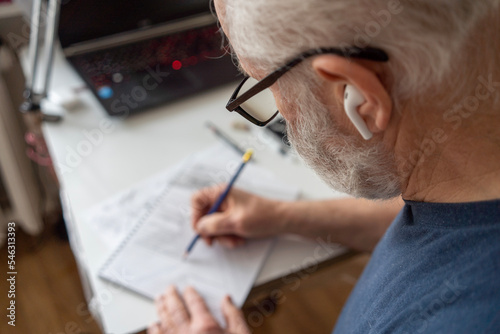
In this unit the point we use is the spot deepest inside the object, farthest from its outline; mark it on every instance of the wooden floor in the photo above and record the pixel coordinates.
(49, 297)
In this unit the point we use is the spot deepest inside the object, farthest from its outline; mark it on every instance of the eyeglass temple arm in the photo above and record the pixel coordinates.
(353, 52)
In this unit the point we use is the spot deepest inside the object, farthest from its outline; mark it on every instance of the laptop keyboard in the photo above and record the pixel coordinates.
(181, 50)
(143, 75)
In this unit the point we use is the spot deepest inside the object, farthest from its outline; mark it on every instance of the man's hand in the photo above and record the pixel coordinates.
(189, 315)
(241, 215)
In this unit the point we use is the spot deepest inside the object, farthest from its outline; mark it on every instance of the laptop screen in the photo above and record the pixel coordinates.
(85, 20)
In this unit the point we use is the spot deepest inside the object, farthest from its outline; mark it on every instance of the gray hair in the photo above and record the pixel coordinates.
(424, 38)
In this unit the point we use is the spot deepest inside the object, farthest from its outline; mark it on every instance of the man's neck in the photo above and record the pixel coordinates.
(453, 162)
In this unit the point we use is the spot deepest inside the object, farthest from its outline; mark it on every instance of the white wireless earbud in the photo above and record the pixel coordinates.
(352, 100)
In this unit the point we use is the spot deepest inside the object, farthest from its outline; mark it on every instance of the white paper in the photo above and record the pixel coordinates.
(150, 258)
(113, 219)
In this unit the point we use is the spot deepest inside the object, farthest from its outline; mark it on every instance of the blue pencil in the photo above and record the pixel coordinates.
(246, 157)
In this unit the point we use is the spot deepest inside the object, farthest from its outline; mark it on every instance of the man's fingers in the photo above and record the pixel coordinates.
(154, 328)
(175, 307)
(195, 303)
(208, 240)
(230, 241)
(216, 224)
(165, 321)
(201, 317)
(200, 205)
(202, 201)
(234, 317)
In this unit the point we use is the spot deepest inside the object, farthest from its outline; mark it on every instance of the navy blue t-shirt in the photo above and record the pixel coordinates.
(436, 270)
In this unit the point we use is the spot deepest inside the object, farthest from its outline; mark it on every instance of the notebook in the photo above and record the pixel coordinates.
(150, 257)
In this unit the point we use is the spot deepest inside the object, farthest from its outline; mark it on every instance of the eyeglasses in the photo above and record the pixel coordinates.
(254, 100)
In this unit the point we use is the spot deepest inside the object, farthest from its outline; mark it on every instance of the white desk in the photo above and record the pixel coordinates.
(133, 150)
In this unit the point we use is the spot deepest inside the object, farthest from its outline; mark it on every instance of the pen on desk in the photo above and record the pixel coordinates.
(246, 157)
(224, 137)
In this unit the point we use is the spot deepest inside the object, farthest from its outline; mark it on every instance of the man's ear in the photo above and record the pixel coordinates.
(339, 72)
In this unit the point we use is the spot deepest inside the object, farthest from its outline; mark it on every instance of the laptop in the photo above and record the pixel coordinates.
(135, 55)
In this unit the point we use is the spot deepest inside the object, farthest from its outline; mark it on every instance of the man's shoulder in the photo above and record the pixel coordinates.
(429, 277)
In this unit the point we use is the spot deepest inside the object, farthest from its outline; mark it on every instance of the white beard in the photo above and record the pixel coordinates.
(342, 160)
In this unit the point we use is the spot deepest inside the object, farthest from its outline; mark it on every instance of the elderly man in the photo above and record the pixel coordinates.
(382, 98)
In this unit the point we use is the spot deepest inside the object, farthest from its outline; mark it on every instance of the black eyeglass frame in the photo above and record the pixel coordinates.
(235, 102)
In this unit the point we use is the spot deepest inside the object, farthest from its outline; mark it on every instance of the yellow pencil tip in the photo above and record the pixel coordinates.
(247, 155)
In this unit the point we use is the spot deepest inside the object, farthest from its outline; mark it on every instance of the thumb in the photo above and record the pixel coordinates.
(216, 224)
(234, 318)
